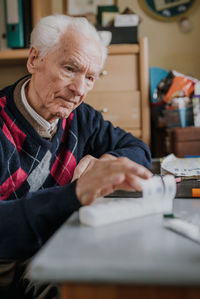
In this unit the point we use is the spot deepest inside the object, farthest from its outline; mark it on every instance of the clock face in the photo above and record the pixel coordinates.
(168, 10)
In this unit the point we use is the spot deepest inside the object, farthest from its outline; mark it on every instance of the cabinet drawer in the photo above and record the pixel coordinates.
(119, 74)
(121, 108)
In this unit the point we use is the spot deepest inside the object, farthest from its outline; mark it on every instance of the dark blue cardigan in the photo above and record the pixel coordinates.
(36, 192)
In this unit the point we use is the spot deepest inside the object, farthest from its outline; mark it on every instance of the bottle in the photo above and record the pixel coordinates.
(196, 104)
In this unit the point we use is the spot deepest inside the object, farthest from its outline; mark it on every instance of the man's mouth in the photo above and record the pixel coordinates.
(74, 102)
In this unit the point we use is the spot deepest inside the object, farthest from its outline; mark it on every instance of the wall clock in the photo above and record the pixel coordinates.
(168, 10)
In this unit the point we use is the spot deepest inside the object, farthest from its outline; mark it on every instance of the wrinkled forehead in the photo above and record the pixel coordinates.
(76, 44)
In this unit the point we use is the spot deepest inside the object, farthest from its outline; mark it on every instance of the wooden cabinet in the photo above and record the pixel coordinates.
(121, 93)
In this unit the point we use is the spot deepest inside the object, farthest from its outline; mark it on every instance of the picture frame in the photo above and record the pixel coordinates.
(85, 7)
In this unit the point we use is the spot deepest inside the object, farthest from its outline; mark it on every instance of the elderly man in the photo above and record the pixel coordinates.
(58, 153)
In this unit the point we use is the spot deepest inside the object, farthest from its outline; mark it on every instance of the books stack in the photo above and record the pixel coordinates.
(15, 23)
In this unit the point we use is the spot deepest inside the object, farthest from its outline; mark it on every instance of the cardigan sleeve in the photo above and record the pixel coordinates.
(102, 137)
(27, 223)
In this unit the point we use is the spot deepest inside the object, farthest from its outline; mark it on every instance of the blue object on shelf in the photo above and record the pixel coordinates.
(182, 115)
(156, 74)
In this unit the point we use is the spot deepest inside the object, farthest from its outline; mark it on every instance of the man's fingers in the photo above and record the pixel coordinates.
(141, 171)
(83, 165)
(106, 176)
(124, 165)
(134, 181)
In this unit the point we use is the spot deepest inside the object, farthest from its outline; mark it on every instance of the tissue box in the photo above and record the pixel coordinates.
(122, 35)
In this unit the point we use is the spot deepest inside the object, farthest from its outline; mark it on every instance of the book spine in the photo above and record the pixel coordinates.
(27, 21)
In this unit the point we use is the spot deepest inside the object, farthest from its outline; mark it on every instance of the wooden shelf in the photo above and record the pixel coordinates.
(10, 56)
(17, 55)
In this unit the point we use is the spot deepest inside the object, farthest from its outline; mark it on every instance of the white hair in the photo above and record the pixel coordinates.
(47, 33)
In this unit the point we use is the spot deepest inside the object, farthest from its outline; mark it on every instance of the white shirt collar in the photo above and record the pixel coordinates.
(39, 119)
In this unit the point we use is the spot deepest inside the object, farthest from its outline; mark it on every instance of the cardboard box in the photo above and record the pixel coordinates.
(185, 141)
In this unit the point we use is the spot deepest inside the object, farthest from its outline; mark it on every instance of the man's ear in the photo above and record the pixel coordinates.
(33, 60)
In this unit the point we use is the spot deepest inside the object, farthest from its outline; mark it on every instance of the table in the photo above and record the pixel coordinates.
(138, 258)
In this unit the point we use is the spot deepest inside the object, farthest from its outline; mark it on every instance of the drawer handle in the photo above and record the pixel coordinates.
(103, 110)
(103, 73)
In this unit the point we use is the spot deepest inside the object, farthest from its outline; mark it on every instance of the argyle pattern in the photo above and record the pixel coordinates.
(32, 164)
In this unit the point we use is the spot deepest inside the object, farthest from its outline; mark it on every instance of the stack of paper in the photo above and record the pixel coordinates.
(183, 167)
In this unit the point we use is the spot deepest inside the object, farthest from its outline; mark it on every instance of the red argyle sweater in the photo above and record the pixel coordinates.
(29, 162)
(35, 173)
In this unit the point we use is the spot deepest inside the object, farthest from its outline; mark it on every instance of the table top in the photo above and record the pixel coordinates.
(136, 251)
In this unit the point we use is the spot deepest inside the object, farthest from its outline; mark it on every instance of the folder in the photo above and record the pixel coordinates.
(14, 23)
(27, 21)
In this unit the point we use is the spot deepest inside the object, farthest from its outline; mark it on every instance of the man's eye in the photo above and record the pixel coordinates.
(91, 78)
(69, 68)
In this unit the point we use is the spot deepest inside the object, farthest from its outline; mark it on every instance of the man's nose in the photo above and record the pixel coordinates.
(78, 85)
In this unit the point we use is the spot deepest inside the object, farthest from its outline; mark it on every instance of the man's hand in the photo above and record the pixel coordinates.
(84, 164)
(87, 162)
(106, 176)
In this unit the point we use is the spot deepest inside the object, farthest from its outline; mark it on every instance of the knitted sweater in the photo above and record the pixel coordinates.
(36, 192)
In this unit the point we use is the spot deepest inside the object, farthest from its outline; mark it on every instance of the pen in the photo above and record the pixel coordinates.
(182, 227)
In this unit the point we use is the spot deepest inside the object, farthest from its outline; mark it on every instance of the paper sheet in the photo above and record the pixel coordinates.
(181, 166)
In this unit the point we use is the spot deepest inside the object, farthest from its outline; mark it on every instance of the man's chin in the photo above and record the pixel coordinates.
(64, 114)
